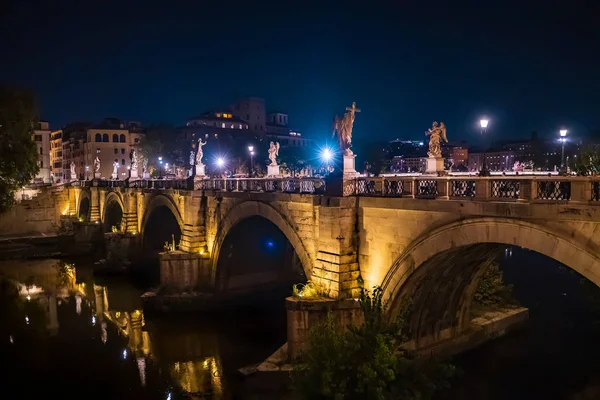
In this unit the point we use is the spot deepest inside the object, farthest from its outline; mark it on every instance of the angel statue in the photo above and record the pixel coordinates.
(133, 160)
(97, 164)
(115, 167)
(437, 133)
(342, 128)
(72, 168)
(200, 153)
(273, 152)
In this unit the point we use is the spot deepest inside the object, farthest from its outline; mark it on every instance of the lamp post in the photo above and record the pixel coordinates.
(87, 172)
(563, 139)
(251, 150)
(483, 123)
(159, 167)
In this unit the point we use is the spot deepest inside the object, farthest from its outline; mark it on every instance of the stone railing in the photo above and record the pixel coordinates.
(495, 188)
(282, 185)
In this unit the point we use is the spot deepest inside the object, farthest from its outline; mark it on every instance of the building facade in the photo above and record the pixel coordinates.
(112, 146)
(42, 138)
(252, 111)
(56, 162)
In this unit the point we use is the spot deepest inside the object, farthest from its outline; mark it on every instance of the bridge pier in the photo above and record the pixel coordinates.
(336, 267)
(183, 271)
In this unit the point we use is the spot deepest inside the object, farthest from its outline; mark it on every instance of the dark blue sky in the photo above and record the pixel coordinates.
(526, 67)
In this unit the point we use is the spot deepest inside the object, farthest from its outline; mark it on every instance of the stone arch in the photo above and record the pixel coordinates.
(249, 209)
(435, 270)
(84, 195)
(160, 200)
(112, 197)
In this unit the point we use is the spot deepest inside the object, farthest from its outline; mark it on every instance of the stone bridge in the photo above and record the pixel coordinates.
(421, 237)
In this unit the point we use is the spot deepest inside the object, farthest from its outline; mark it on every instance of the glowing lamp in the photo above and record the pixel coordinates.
(326, 155)
(484, 123)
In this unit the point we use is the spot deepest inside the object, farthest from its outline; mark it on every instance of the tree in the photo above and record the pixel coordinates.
(367, 361)
(18, 152)
(491, 290)
(587, 162)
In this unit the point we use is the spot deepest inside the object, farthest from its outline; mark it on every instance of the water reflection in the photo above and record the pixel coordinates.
(165, 358)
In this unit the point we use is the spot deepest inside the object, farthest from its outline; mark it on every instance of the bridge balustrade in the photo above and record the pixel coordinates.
(281, 185)
(513, 188)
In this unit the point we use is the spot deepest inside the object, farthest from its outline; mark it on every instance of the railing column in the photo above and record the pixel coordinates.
(527, 190)
(581, 191)
(483, 189)
(443, 189)
(379, 186)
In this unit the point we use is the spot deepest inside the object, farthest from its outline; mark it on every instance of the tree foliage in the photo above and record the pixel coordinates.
(367, 361)
(18, 153)
(587, 162)
(491, 290)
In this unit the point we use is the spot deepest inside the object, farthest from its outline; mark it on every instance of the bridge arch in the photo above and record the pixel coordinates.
(155, 206)
(250, 209)
(84, 205)
(113, 211)
(439, 271)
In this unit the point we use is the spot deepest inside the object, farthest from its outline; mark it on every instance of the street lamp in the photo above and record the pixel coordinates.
(159, 167)
(563, 139)
(251, 150)
(87, 170)
(483, 123)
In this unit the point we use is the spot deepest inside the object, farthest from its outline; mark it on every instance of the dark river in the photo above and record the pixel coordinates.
(70, 334)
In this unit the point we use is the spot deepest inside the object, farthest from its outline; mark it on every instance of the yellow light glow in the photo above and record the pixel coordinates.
(65, 211)
(201, 252)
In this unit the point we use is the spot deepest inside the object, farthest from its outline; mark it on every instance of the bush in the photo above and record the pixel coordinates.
(368, 361)
(491, 290)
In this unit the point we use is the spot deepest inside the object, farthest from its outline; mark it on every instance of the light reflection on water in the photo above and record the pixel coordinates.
(162, 358)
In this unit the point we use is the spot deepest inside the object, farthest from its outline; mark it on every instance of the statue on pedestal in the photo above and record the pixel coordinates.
(73, 173)
(342, 128)
(133, 160)
(437, 133)
(199, 152)
(273, 152)
(115, 169)
(97, 167)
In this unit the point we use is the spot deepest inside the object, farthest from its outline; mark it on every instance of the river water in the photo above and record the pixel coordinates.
(70, 334)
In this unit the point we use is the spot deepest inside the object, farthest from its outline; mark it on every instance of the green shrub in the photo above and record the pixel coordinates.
(367, 361)
(491, 290)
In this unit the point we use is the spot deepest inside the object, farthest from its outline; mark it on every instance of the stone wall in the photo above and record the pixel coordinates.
(40, 215)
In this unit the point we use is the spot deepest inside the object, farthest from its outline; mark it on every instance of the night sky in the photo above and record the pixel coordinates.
(526, 67)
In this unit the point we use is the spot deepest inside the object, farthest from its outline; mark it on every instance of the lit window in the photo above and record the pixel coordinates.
(216, 135)
(240, 126)
(232, 126)
(218, 115)
(97, 150)
(223, 125)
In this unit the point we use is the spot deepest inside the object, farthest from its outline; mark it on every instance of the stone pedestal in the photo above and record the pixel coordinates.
(349, 168)
(200, 171)
(273, 170)
(146, 175)
(97, 175)
(114, 176)
(133, 174)
(434, 165)
(73, 176)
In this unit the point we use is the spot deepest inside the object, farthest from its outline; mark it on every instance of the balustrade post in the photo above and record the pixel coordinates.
(581, 191)
(443, 189)
(379, 185)
(412, 184)
(527, 190)
(483, 189)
